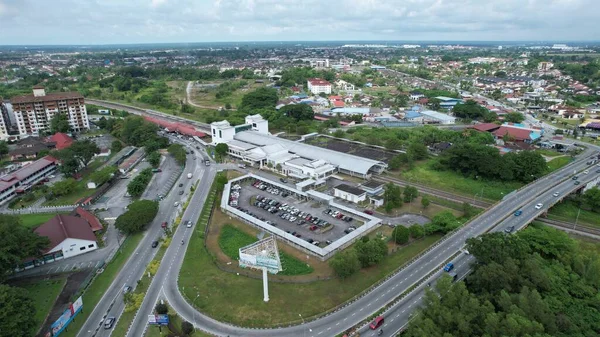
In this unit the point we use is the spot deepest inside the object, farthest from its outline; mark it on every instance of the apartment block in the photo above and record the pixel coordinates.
(34, 112)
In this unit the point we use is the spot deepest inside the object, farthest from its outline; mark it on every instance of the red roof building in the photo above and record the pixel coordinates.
(62, 140)
(92, 221)
(486, 127)
(69, 236)
(182, 128)
(519, 135)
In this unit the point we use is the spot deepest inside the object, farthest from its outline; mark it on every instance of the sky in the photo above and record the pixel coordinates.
(28, 22)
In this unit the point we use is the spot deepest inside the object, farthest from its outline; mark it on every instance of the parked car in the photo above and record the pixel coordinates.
(368, 211)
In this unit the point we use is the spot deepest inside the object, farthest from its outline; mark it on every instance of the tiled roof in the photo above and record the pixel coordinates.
(94, 223)
(62, 227)
(516, 133)
(62, 140)
(53, 96)
(486, 127)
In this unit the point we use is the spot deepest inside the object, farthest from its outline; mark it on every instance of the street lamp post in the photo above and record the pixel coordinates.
(194, 307)
(303, 328)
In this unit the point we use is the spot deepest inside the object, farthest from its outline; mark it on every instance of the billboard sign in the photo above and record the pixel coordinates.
(63, 321)
(158, 319)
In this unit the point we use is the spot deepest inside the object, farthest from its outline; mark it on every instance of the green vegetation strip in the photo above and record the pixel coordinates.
(44, 294)
(238, 299)
(232, 239)
(568, 211)
(96, 290)
(142, 287)
(558, 163)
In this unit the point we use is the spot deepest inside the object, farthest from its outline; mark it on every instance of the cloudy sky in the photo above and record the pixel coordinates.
(148, 21)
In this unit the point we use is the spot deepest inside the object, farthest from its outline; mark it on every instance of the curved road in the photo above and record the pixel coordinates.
(165, 283)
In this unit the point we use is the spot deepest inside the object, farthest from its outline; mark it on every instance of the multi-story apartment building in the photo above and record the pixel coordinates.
(317, 86)
(4, 120)
(34, 112)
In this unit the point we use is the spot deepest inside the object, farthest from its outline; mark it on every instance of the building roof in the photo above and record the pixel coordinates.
(62, 227)
(350, 189)
(53, 96)
(30, 150)
(517, 133)
(62, 140)
(92, 221)
(318, 81)
(372, 184)
(344, 161)
(488, 127)
(182, 128)
(27, 170)
(438, 115)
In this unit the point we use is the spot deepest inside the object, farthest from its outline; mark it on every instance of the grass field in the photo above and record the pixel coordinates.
(43, 293)
(34, 220)
(567, 211)
(232, 239)
(238, 299)
(94, 292)
(558, 163)
(454, 182)
(80, 191)
(208, 99)
(548, 153)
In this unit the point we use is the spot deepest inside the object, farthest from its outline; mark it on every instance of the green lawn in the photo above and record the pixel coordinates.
(454, 182)
(127, 317)
(558, 163)
(44, 294)
(34, 220)
(232, 239)
(94, 292)
(548, 153)
(81, 191)
(567, 211)
(238, 300)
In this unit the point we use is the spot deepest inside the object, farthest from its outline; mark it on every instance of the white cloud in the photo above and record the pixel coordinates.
(132, 21)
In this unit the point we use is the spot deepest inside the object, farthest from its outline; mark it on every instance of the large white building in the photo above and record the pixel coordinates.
(252, 143)
(34, 112)
(318, 85)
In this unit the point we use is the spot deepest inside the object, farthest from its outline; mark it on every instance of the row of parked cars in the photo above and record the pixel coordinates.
(234, 195)
(338, 215)
(268, 188)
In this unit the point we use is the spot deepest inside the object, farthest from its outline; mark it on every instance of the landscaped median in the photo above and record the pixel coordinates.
(236, 299)
(100, 284)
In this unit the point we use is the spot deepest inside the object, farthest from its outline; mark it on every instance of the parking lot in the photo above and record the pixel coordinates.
(308, 220)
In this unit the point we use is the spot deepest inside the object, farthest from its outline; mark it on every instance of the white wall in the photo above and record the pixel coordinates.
(350, 197)
(72, 247)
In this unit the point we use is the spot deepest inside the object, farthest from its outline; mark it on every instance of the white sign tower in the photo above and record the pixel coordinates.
(262, 255)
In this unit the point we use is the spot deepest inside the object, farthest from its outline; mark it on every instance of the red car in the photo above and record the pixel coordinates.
(164, 225)
(368, 211)
(312, 228)
(376, 323)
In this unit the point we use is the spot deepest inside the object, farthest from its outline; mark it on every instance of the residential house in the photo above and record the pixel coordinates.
(29, 148)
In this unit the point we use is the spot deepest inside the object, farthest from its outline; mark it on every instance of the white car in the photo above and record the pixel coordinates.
(538, 206)
(555, 194)
(586, 172)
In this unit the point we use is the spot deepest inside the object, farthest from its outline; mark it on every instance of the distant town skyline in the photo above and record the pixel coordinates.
(29, 22)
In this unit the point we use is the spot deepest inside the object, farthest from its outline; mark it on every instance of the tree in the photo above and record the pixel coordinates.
(370, 252)
(425, 201)
(60, 123)
(469, 110)
(80, 152)
(116, 146)
(298, 111)
(17, 312)
(3, 148)
(260, 98)
(178, 152)
(101, 176)
(395, 163)
(63, 187)
(138, 215)
(161, 308)
(392, 195)
(137, 185)
(514, 117)
(221, 180)
(442, 223)
(592, 198)
(434, 103)
(468, 210)
(221, 150)
(187, 327)
(17, 242)
(417, 150)
(154, 158)
(339, 133)
(416, 231)
(400, 234)
(393, 144)
(345, 264)
(410, 193)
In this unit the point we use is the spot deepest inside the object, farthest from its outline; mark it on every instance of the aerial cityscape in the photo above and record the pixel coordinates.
(260, 168)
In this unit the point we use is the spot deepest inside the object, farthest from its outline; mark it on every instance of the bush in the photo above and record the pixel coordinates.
(161, 309)
(345, 264)
(400, 234)
(187, 327)
(416, 231)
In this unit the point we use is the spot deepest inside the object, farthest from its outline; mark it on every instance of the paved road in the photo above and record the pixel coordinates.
(348, 316)
(111, 304)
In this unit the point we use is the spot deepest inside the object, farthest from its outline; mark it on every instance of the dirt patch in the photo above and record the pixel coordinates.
(219, 219)
(72, 285)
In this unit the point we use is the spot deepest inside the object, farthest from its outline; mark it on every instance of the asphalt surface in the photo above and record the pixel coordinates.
(111, 303)
(362, 308)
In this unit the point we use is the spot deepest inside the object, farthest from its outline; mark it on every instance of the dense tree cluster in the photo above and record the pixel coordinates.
(536, 283)
(298, 111)
(178, 152)
(472, 110)
(299, 75)
(137, 185)
(261, 98)
(103, 175)
(77, 156)
(139, 214)
(60, 123)
(365, 253)
(486, 162)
